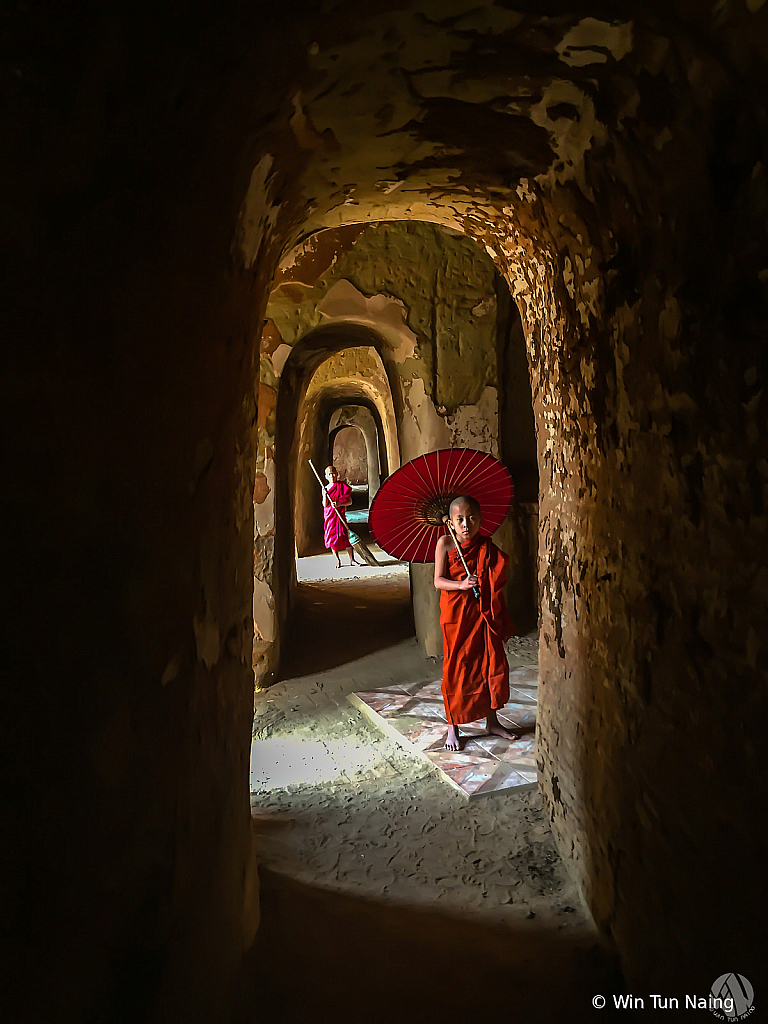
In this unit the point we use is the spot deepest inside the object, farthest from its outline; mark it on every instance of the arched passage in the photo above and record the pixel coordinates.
(616, 170)
(290, 510)
(445, 332)
(330, 389)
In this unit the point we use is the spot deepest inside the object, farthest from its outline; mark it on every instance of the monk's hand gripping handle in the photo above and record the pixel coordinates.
(454, 538)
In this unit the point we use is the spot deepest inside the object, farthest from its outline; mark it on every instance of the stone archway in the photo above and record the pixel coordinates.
(615, 171)
(315, 427)
(442, 339)
(298, 427)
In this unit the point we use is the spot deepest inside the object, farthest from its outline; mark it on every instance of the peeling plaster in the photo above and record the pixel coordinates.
(571, 137)
(263, 612)
(259, 215)
(306, 136)
(264, 513)
(586, 42)
(476, 426)
(422, 429)
(383, 312)
(279, 357)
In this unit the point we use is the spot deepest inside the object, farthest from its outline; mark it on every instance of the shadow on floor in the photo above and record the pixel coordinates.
(324, 956)
(339, 620)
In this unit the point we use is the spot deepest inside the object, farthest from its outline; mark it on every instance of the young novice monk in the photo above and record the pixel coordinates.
(475, 667)
(335, 532)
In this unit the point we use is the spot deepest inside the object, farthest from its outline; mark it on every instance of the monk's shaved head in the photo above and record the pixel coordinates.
(465, 499)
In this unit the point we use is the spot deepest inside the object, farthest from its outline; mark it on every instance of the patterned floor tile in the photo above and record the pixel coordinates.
(523, 696)
(522, 751)
(455, 760)
(433, 709)
(422, 734)
(385, 703)
(491, 746)
(518, 714)
(466, 772)
(415, 715)
(506, 778)
(431, 690)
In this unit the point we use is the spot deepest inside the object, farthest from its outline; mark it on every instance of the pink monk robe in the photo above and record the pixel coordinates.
(475, 667)
(335, 535)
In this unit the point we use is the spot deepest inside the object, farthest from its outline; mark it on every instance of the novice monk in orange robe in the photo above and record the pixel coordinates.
(475, 667)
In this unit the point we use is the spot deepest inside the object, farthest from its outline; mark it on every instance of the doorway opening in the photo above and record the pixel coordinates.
(378, 363)
(345, 419)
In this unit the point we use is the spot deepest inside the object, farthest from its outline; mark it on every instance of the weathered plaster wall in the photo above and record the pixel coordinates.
(429, 294)
(350, 455)
(612, 160)
(356, 424)
(129, 885)
(518, 535)
(616, 171)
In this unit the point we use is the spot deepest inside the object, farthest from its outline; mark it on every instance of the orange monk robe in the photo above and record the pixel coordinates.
(475, 667)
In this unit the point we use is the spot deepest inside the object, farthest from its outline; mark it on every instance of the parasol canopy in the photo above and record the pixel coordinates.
(406, 516)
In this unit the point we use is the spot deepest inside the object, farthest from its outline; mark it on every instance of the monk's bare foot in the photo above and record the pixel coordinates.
(452, 739)
(495, 728)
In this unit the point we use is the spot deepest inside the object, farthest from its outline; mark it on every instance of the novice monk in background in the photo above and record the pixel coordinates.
(475, 667)
(335, 530)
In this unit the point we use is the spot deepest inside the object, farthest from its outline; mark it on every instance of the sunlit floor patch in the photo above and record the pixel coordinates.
(283, 761)
(323, 567)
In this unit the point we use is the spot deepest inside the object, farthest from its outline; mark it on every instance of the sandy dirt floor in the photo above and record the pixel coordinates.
(358, 837)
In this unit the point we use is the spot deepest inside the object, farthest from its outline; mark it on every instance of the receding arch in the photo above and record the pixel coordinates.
(317, 412)
(294, 495)
(347, 450)
(361, 418)
(616, 169)
(441, 333)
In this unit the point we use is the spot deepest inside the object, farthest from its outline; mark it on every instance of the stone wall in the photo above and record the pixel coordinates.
(350, 455)
(610, 159)
(625, 207)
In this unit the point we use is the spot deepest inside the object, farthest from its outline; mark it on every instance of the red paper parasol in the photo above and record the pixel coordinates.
(406, 516)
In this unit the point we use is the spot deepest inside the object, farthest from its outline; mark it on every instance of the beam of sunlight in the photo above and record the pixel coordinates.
(323, 567)
(282, 761)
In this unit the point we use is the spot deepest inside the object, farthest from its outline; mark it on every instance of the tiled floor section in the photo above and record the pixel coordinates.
(414, 715)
